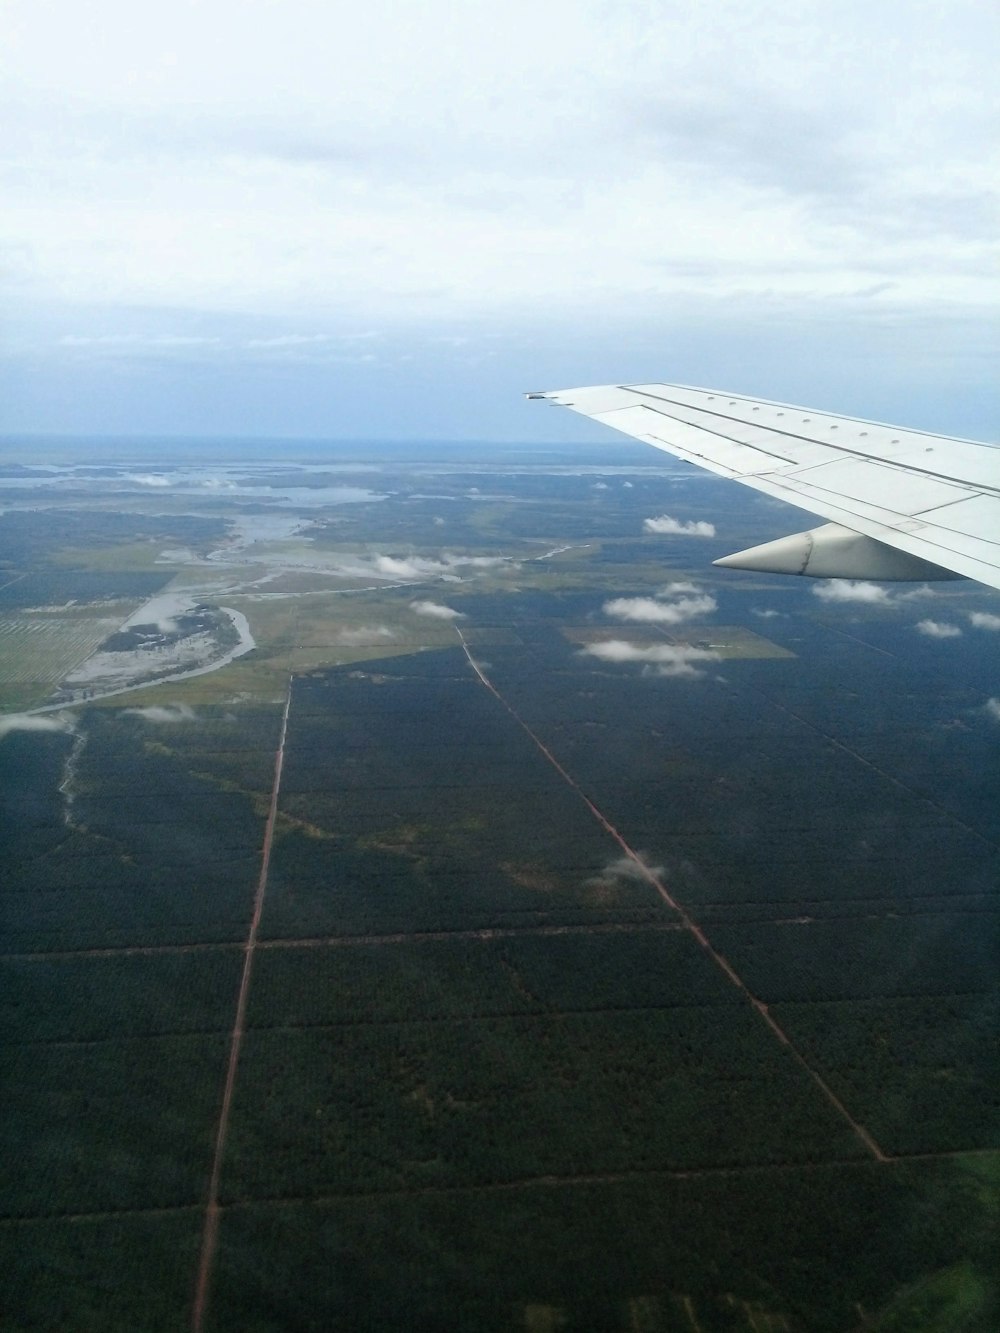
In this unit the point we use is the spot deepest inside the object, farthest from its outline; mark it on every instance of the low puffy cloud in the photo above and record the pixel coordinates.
(651, 611)
(938, 629)
(36, 722)
(163, 714)
(365, 634)
(766, 614)
(993, 708)
(149, 479)
(436, 611)
(984, 620)
(678, 588)
(852, 590)
(625, 868)
(674, 527)
(414, 568)
(659, 659)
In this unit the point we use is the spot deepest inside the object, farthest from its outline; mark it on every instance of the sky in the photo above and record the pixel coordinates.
(320, 219)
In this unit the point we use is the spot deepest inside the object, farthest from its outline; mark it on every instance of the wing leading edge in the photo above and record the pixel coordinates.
(899, 504)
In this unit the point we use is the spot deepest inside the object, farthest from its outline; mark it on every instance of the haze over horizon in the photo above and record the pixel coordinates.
(311, 220)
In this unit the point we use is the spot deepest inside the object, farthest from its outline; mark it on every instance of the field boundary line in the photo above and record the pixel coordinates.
(551, 1180)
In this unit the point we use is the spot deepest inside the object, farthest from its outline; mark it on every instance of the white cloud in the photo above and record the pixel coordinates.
(852, 590)
(149, 479)
(648, 610)
(765, 614)
(365, 634)
(625, 868)
(938, 629)
(413, 568)
(984, 620)
(915, 594)
(36, 722)
(993, 708)
(667, 526)
(163, 714)
(661, 659)
(436, 611)
(675, 589)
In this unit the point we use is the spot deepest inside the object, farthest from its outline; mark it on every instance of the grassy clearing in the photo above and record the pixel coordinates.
(127, 555)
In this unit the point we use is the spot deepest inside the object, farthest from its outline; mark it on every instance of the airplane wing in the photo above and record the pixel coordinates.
(899, 504)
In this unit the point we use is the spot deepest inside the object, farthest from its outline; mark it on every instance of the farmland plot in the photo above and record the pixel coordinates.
(40, 650)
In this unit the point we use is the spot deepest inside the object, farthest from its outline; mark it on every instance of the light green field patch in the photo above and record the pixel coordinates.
(952, 1299)
(127, 556)
(42, 649)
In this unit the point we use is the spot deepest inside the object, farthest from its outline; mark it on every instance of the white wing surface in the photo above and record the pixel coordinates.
(932, 500)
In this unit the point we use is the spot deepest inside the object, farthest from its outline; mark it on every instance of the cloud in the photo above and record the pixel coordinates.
(436, 611)
(365, 634)
(625, 868)
(852, 590)
(36, 722)
(992, 707)
(413, 568)
(915, 594)
(149, 479)
(767, 218)
(766, 614)
(667, 526)
(674, 589)
(938, 629)
(163, 714)
(984, 620)
(677, 660)
(651, 611)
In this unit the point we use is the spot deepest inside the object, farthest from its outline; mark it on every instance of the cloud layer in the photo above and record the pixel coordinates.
(547, 188)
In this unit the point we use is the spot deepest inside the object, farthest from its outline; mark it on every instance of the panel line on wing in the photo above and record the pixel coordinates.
(804, 439)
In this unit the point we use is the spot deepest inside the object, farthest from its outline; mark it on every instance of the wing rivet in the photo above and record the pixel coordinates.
(833, 427)
(863, 434)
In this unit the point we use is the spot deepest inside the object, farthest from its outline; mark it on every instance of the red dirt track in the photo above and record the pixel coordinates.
(210, 1234)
